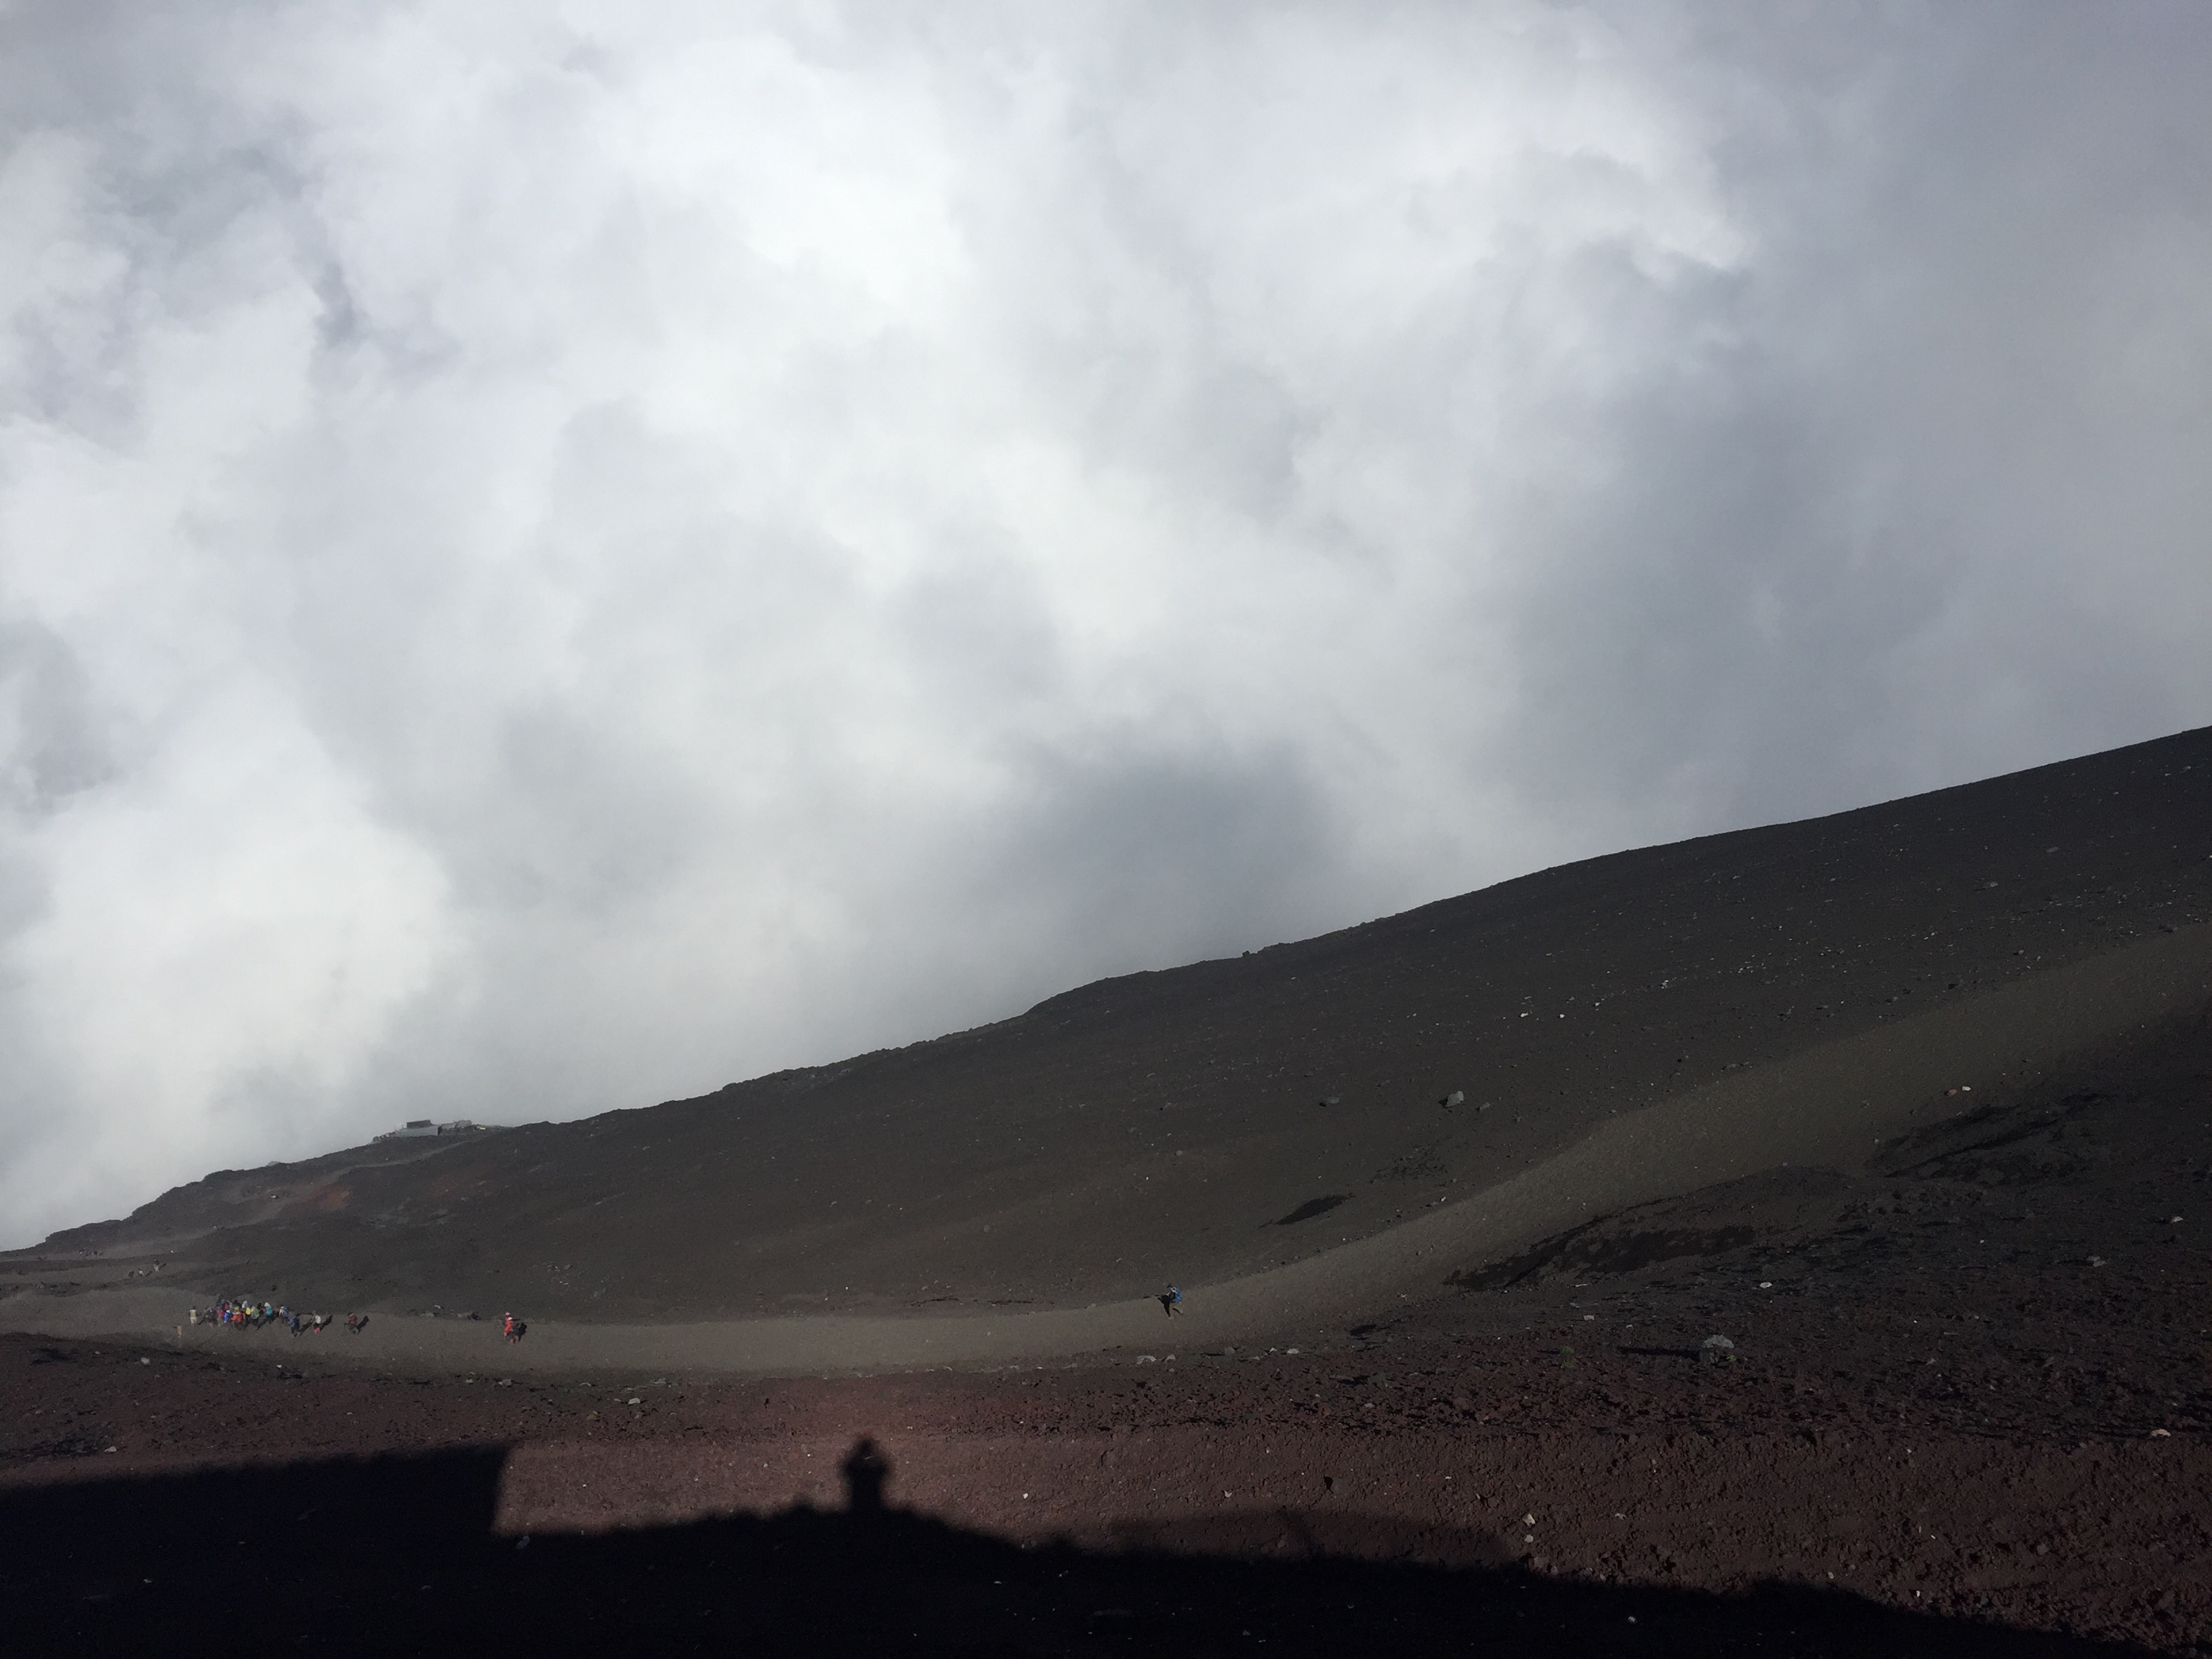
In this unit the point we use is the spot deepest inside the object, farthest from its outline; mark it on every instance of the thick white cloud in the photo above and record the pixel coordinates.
(550, 558)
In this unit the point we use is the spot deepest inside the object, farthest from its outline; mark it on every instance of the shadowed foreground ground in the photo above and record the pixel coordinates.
(400, 1555)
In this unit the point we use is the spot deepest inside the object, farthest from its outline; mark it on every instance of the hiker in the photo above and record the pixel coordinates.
(1172, 1302)
(514, 1331)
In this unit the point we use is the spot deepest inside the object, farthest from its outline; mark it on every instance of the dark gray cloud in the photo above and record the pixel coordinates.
(553, 561)
(1920, 484)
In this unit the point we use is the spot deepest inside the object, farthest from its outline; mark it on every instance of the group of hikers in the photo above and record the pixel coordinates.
(250, 1316)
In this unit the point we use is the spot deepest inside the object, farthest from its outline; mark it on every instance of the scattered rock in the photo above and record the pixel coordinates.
(1456, 1097)
(1715, 1349)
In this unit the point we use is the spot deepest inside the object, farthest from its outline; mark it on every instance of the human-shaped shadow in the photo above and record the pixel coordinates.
(876, 1581)
(867, 1470)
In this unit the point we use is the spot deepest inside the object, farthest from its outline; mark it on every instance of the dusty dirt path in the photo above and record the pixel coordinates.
(1830, 1105)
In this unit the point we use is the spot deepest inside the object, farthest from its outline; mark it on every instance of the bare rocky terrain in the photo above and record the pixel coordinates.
(1912, 1105)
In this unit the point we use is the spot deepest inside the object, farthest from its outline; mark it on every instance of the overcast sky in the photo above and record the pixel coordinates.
(556, 555)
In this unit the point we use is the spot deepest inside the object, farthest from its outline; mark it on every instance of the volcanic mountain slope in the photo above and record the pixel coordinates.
(1216, 1120)
(1966, 1409)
